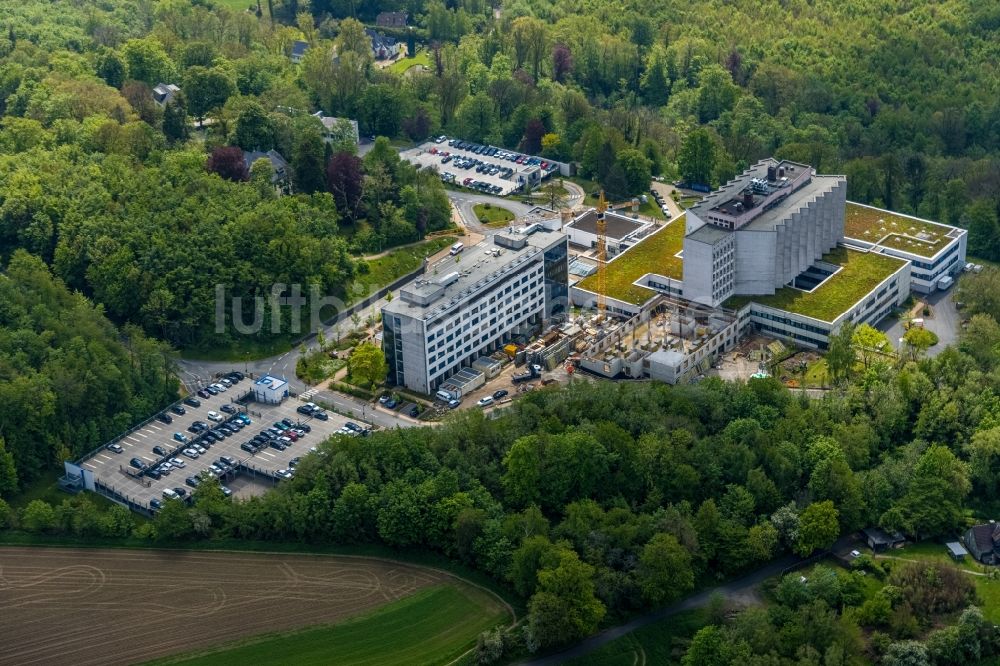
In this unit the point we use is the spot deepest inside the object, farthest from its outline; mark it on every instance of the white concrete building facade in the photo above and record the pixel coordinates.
(502, 288)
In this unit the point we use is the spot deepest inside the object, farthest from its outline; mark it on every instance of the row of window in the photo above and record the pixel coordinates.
(930, 266)
(514, 315)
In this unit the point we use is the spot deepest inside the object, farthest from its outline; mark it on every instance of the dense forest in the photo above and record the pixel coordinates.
(69, 381)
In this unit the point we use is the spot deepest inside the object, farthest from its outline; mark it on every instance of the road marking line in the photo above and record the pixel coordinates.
(142, 435)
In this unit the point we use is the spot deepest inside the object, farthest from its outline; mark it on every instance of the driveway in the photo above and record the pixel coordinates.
(466, 202)
(945, 322)
(666, 190)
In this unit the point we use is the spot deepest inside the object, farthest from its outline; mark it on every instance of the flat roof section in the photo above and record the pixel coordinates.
(860, 273)
(456, 278)
(657, 253)
(899, 232)
(618, 226)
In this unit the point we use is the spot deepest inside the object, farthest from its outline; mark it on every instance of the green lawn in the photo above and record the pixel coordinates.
(655, 254)
(493, 216)
(381, 271)
(399, 262)
(403, 64)
(988, 590)
(248, 350)
(46, 488)
(433, 626)
(860, 273)
(661, 643)
(921, 237)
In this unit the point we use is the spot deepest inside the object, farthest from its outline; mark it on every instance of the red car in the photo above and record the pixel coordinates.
(292, 435)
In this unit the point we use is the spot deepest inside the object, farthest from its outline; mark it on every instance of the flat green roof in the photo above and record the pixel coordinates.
(907, 234)
(657, 253)
(860, 273)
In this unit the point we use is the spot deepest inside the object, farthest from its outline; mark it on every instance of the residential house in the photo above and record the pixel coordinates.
(164, 92)
(299, 49)
(336, 130)
(383, 47)
(391, 19)
(281, 177)
(879, 540)
(983, 542)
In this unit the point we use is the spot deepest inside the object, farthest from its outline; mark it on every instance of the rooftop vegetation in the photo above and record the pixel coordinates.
(876, 225)
(656, 253)
(859, 274)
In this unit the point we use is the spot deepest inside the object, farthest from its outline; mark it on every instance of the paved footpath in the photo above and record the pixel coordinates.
(733, 590)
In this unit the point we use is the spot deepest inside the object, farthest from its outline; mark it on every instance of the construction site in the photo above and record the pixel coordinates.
(668, 339)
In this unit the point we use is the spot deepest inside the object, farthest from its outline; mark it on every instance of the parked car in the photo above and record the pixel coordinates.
(304, 409)
(168, 493)
(137, 463)
(292, 435)
(192, 481)
(486, 401)
(353, 426)
(177, 462)
(212, 390)
(248, 447)
(192, 402)
(275, 444)
(159, 450)
(202, 393)
(163, 417)
(190, 453)
(304, 427)
(180, 437)
(228, 409)
(115, 448)
(178, 410)
(155, 504)
(502, 393)
(199, 448)
(225, 381)
(154, 473)
(244, 418)
(226, 492)
(452, 404)
(219, 387)
(214, 416)
(229, 460)
(321, 415)
(392, 403)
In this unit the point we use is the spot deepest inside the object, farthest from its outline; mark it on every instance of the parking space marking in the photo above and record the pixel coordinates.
(103, 457)
(157, 428)
(142, 435)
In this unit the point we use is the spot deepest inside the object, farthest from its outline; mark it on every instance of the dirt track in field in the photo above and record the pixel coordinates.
(83, 606)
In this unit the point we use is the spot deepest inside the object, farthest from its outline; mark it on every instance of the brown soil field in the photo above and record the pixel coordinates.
(83, 606)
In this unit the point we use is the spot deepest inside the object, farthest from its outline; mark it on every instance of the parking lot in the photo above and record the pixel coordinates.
(113, 469)
(478, 167)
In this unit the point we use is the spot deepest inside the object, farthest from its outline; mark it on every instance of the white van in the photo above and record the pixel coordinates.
(170, 494)
(443, 395)
(456, 248)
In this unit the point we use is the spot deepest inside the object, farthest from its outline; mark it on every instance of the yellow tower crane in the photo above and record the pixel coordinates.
(602, 257)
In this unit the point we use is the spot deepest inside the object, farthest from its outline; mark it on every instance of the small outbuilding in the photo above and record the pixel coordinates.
(270, 390)
(880, 540)
(956, 550)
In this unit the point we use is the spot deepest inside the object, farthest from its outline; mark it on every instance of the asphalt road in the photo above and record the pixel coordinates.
(734, 590)
(946, 322)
